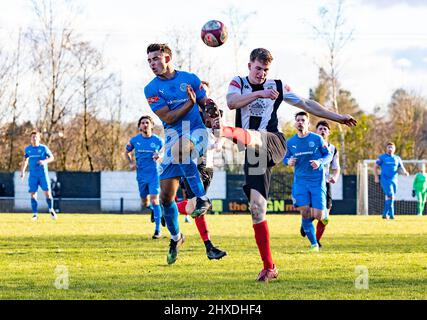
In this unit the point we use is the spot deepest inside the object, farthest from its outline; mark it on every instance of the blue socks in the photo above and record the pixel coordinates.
(157, 210)
(193, 178)
(388, 208)
(34, 205)
(171, 217)
(308, 227)
(391, 209)
(49, 202)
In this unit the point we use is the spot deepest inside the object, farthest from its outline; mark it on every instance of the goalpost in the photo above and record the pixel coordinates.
(370, 197)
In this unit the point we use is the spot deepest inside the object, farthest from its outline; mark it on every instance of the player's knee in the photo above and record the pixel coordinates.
(305, 212)
(257, 212)
(155, 201)
(318, 214)
(166, 200)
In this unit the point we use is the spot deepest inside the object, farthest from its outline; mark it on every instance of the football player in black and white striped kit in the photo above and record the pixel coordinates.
(256, 100)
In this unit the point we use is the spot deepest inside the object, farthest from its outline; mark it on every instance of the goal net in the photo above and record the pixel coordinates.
(371, 198)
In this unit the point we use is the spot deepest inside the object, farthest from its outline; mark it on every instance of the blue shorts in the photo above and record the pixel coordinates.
(312, 194)
(34, 181)
(148, 187)
(169, 168)
(389, 187)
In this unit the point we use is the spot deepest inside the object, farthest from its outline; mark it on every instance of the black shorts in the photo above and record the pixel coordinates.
(328, 196)
(206, 175)
(258, 173)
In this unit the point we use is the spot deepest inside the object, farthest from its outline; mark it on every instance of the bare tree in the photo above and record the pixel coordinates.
(92, 82)
(53, 62)
(333, 31)
(238, 30)
(14, 105)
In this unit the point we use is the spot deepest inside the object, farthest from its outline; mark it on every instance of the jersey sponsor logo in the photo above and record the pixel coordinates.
(183, 87)
(303, 153)
(235, 84)
(153, 99)
(170, 102)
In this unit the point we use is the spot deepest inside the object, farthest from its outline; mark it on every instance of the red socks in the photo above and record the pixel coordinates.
(181, 206)
(200, 221)
(202, 227)
(320, 228)
(238, 135)
(262, 237)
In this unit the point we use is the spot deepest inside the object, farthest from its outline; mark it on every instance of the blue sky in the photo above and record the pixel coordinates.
(388, 49)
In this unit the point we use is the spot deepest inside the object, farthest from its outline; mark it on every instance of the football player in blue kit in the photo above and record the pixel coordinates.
(308, 153)
(147, 147)
(390, 165)
(174, 96)
(36, 157)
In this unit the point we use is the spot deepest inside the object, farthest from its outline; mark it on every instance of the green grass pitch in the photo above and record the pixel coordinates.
(114, 257)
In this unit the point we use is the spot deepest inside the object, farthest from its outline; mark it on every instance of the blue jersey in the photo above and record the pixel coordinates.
(173, 93)
(144, 149)
(390, 165)
(311, 147)
(34, 155)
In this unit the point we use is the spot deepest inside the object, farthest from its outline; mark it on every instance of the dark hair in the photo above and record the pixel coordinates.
(323, 123)
(262, 55)
(145, 117)
(390, 144)
(301, 113)
(34, 132)
(163, 47)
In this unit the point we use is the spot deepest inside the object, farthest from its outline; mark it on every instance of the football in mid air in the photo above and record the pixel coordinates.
(214, 33)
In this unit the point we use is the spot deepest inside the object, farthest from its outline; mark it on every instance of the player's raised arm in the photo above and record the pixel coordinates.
(317, 109)
(171, 116)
